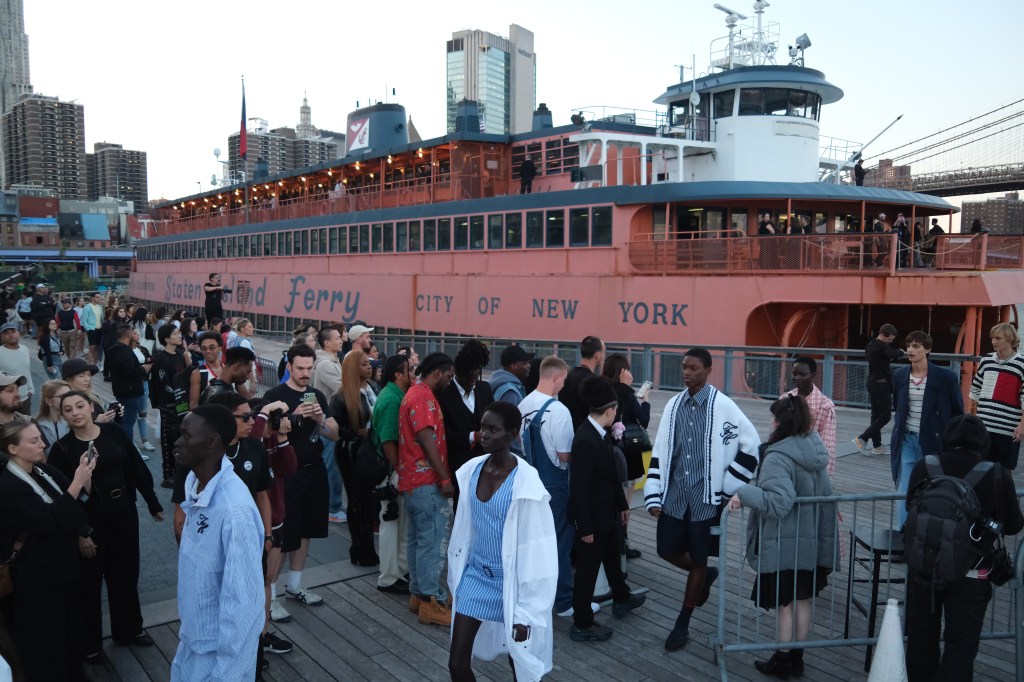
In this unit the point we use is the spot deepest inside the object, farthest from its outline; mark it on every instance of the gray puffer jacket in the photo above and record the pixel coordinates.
(781, 535)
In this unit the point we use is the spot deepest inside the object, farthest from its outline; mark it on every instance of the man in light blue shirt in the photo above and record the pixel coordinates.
(220, 576)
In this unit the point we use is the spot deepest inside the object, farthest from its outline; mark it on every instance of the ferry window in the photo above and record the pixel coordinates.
(220, 248)
(444, 234)
(556, 229)
(495, 232)
(389, 237)
(342, 240)
(414, 235)
(579, 227)
(378, 238)
(323, 241)
(364, 239)
(534, 229)
(402, 240)
(429, 235)
(776, 101)
(723, 102)
(804, 104)
(254, 245)
(461, 233)
(820, 223)
(513, 230)
(314, 242)
(751, 102)
(738, 223)
(476, 232)
(333, 240)
(231, 249)
(714, 221)
(353, 239)
(289, 238)
(305, 242)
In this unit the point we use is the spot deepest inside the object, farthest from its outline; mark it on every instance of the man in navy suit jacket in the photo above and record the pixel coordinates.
(926, 397)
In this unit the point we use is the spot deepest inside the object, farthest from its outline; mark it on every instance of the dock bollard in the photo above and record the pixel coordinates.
(889, 663)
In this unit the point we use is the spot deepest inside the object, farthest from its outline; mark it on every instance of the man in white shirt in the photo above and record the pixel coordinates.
(551, 459)
(220, 576)
(16, 361)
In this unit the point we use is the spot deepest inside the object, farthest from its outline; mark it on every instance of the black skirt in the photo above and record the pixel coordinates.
(634, 465)
(776, 589)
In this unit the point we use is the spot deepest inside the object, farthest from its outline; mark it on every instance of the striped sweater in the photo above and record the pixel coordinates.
(730, 451)
(998, 387)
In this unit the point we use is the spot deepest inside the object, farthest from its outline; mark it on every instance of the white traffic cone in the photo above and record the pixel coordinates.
(889, 663)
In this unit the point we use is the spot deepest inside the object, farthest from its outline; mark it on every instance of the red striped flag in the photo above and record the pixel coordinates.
(243, 146)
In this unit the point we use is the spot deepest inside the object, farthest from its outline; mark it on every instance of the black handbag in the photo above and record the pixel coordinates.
(1001, 571)
(369, 466)
(635, 439)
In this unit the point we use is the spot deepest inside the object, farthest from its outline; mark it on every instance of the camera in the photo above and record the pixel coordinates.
(390, 512)
(274, 419)
(118, 410)
(385, 493)
(227, 290)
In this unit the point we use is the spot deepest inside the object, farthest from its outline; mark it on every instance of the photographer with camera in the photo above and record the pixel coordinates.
(394, 563)
(962, 602)
(214, 290)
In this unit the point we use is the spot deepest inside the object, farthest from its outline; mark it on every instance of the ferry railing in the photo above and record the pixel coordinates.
(865, 571)
(833, 254)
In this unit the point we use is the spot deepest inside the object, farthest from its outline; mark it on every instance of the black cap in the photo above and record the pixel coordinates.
(966, 432)
(76, 366)
(514, 353)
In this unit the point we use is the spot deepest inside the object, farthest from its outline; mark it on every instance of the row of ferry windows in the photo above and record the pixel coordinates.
(541, 229)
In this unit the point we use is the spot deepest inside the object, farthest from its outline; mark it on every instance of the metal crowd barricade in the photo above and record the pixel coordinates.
(867, 571)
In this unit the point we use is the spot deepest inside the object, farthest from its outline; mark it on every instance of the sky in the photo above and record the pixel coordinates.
(165, 78)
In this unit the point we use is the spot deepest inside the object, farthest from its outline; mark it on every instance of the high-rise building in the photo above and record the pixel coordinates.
(44, 145)
(117, 172)
(14, 71)
(271, 151)
(498, 73)
(1004, 215)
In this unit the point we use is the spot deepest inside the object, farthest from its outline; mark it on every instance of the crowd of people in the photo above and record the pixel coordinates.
(499, 503)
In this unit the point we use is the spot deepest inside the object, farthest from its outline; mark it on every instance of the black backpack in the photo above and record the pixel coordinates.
(944, 525)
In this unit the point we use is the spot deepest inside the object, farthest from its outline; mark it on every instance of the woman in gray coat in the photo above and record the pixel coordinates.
(791, 546)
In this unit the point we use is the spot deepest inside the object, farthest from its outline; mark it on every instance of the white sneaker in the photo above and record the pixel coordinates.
(278, 613)
(304, 596)
(146, 445)
(594, 606)
(145, 458)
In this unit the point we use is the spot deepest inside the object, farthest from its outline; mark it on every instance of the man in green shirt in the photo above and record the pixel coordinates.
(397, 378)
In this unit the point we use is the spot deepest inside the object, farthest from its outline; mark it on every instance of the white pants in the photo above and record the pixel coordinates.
(393, 538)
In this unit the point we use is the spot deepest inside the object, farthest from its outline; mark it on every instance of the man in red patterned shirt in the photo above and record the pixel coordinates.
(823, 410)
(426, 483)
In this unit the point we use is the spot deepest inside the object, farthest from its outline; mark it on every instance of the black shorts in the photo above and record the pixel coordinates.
(94, 336)
(683, 536)
(305, 505)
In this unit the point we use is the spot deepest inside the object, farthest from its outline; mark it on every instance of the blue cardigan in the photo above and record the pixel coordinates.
(943, 400)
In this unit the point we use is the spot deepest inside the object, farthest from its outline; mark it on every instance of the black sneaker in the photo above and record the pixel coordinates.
(621, 608)
(677, 638)
(98, 658)
(595, 633)
(633, 553)
(271, 643)
(398, 587)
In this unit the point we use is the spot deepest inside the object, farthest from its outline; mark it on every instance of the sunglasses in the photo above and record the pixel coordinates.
(244, 417)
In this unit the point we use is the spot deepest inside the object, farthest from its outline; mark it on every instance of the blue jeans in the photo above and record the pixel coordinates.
(132, 408)
(910, 454)
(564, 535)
(427, 513)
(335, 504)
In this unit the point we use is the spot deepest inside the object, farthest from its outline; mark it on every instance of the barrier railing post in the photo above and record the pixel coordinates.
(1018, 630)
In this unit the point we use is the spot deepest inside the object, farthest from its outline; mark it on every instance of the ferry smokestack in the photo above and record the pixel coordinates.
(467, 117)
(542, 118)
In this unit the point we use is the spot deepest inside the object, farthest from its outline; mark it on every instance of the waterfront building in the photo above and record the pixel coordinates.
(14, 66)
(498, 73)
(114, 171)
(1002, 215)
(44, 145)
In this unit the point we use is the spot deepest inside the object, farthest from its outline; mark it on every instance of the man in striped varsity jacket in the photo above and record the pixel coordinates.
(705, 447)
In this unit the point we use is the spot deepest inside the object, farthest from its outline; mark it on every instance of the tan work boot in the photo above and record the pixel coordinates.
(414, 603)
(435, 612)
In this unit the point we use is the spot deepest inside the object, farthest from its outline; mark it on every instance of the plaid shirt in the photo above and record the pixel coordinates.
(823, 420)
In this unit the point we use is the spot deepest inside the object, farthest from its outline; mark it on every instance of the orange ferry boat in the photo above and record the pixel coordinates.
(641, 231)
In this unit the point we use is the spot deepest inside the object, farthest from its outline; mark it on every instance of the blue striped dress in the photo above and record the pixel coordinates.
(479, 594)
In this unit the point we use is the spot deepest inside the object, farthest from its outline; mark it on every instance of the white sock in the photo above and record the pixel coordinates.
(273, 591)
(294, 580)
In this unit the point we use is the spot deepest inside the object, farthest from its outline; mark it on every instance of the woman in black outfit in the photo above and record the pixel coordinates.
(631, 411)
(112, 553)
(38, 508)
(352, 407)
(115, 316)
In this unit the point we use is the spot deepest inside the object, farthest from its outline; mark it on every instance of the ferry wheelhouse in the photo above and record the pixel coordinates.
(640, 228)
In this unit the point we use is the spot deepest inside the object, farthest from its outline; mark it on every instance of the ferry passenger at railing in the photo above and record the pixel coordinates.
(598, 509)
(859, 172)
(112, 551)
(49, 418)
(919, 242)
(463, 402)
(527, 172)
(501, 559)
(926, 397)
(634, 413)
(961, 605)
(793, 549)
(977, 227)
(997, 391)
(706, 447)
(902, 230)
(213, 290)
(878, 246)
(823, 410)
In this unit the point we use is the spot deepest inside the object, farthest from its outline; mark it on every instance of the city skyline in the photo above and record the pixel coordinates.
(888, 58)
